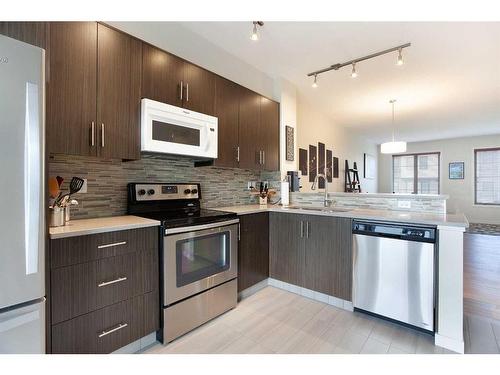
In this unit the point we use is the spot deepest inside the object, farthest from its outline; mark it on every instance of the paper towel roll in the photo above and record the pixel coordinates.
(285, 193)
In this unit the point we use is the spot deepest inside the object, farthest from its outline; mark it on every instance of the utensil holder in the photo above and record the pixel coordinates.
(67, 213)
(57, 217)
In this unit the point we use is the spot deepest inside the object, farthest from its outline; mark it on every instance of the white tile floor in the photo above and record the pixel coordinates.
(276, 321)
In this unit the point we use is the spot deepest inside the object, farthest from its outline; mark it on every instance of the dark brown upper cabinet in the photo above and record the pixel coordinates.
(34, 33)
(118, 94)
(249, 130)
(93, 94)
(227, 102)
(72, 88)
(172, 80)
(270, 131)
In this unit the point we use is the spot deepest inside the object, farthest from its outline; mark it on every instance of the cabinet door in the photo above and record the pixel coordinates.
(227, 102)
(253, 251)
(286, 248)
(118, 94)
(199, 89)
(71, 88)
(249, 137)
(162, 74)
(269, 133)
(328, 256)
(34, 33)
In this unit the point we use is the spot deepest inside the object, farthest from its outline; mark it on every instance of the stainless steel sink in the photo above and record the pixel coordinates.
(320, 209)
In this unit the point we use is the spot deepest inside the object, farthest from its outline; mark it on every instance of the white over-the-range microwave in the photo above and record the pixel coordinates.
(173, 130)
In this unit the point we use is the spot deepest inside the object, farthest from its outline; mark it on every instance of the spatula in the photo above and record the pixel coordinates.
(74, 187)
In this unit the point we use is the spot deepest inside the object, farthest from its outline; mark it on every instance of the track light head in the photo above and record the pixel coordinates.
(315, 83)
(400, 57)
(354, 74)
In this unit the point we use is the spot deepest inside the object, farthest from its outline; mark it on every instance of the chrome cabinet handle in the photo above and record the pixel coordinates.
(263, 157)
(187, 92)
(238, 153)
(119, 280)
(102, 134)
(260, 157)
(307, 229)
(92, 134)
(182, 89)
(112, 244)
(118, 327)
(301, 229)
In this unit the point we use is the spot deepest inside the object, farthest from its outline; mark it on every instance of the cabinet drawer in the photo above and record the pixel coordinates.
(108, 329)
(82, 288)
(74, 250)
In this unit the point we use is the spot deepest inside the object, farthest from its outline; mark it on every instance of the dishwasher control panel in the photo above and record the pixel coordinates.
(400, 231)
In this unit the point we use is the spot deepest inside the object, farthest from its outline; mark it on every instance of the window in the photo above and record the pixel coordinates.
(487, 176)
(416, 173)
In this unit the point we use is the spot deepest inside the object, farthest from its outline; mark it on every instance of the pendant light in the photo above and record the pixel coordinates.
(393, 147)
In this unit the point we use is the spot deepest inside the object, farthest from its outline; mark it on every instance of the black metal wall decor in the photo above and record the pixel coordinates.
(313, 163)
(335, 167)
(303, 161)
(329, 165)
(321, 164)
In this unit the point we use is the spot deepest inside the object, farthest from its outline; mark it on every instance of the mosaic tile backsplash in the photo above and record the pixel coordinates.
(108, 178)
(420, 204)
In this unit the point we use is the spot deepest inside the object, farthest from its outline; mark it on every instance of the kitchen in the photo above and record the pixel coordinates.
(183, 201)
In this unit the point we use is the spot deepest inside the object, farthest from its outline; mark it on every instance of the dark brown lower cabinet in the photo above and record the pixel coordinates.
(253, 251)
(311, 251)
(108, 329)
(103, 290)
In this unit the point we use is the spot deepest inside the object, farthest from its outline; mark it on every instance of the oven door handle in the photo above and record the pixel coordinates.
(194, 228)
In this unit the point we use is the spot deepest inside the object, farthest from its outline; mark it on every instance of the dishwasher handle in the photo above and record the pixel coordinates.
(405, 232)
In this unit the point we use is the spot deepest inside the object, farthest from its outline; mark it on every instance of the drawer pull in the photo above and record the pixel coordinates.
(112, 244)
(119, 280)
(118, 327)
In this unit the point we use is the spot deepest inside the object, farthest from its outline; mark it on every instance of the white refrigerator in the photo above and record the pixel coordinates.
(22, 207)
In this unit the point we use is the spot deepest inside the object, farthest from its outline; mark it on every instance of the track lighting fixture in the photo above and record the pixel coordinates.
(354, 74)
(255, 35)
(400, 57)
(353, 62)
(315, 83)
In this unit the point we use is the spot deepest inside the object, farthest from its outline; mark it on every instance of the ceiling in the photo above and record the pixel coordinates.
(448, 87)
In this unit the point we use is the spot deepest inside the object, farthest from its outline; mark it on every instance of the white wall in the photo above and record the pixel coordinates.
(461, 192)
(180, 41)
(313, 127)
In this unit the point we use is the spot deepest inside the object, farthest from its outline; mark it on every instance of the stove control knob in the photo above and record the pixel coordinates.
(151, 192)
(187, 191)
(194, 191)
(141, 192)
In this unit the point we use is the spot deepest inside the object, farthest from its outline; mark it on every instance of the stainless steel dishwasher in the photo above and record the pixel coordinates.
(393, 271)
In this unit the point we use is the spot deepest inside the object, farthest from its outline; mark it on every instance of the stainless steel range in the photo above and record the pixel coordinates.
(199, 254)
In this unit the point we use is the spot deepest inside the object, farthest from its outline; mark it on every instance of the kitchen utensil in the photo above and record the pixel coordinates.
(53, 187)
(74, 187)
(60, 181)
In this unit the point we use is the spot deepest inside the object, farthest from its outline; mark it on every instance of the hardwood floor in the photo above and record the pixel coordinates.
(482, 276)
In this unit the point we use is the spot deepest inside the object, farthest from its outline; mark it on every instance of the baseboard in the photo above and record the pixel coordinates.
(317, 296)
(253, 289)
(449, 343)
(137, 345)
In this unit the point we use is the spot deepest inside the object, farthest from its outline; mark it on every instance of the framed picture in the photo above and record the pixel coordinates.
(313, 162)
(321, 164)
(303, 161)
(290, 149)
(329, 165)
(369, 166)
(335, 167)
(456, 170)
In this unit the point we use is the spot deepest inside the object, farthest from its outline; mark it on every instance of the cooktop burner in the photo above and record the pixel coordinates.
(174, 205)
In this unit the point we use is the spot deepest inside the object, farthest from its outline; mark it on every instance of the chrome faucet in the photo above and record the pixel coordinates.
(326, 201)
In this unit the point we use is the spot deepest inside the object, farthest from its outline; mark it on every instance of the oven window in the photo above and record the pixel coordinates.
(166, 132)
(201, 257)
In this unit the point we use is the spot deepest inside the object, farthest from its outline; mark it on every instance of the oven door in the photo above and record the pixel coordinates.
(199, 259)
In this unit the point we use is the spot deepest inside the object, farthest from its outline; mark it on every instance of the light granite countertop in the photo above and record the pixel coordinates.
(445, 220)
(100, 225)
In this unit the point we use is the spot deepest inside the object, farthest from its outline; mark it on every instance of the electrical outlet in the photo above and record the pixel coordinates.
(404, 204)
(251, 185)
(83, 190)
